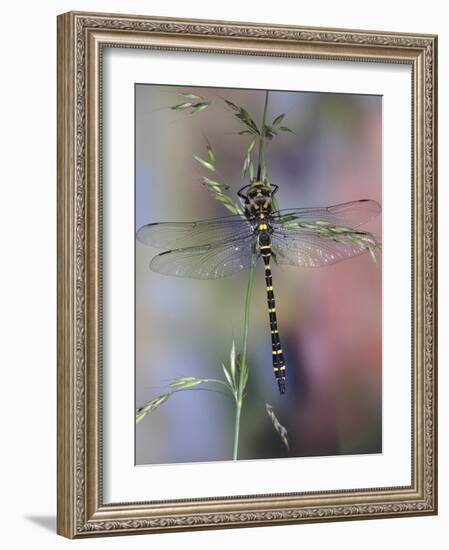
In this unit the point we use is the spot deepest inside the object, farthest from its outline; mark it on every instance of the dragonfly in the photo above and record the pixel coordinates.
(303, 237)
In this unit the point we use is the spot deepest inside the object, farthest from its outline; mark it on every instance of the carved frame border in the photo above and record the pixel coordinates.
(81, 38)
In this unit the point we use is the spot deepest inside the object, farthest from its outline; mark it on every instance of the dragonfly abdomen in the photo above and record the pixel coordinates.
(276, 348)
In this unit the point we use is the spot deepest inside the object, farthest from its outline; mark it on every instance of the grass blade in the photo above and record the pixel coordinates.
(181, 106)
(251, 171)
(192, 96)
(281, 430)
(215, 186)
(232, 357)
(185, 382)
(228, 378)
(141, 412)
(198, 107)
(232, 105)
(278, 119)
(211, 155)
(251, 145)
(205, 163)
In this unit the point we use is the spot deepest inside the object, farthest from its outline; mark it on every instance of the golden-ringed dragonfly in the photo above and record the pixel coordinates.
(304, 237)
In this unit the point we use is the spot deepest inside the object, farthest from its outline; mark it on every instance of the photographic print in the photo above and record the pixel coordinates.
(258, 270)
(247, 248)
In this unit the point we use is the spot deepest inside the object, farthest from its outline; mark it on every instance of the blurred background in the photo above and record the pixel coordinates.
(329, 318)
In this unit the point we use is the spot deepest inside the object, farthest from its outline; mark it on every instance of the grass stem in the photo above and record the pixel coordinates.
(249, 290)
(243, 359)
(262, 166)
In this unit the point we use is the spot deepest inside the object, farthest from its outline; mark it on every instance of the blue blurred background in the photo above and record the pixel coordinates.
(329, 318)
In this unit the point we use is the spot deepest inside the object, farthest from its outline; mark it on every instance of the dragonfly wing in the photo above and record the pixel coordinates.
(210, 261)
(349, 214)
(168, 235)
(309, 249)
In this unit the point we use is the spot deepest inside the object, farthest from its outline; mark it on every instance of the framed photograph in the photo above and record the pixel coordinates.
(246, 274)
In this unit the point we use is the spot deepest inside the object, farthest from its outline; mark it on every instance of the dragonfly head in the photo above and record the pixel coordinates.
(257, 197)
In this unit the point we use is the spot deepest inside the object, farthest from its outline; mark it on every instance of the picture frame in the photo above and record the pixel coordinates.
(83, 468)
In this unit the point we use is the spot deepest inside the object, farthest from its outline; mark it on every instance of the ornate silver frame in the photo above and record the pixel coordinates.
(81, 38)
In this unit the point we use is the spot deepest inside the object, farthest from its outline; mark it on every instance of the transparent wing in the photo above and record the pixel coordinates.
(309, 249)
(348, 214)
(210, 261)
(183, 234)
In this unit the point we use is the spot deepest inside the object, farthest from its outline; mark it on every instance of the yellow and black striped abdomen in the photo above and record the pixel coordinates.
(278, 356)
